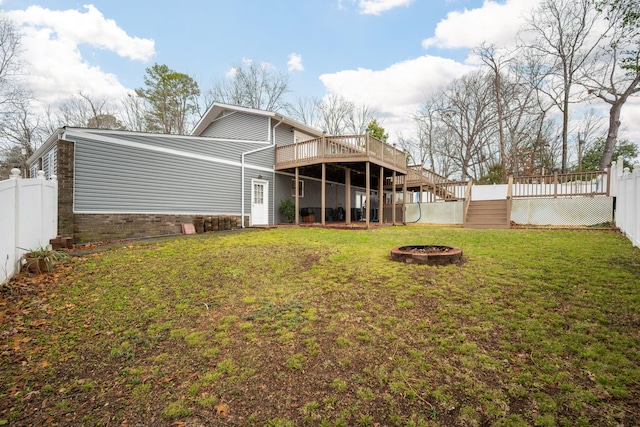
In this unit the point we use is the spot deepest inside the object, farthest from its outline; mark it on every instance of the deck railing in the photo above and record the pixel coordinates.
(328, 147)
(440, 186)
(560, 185)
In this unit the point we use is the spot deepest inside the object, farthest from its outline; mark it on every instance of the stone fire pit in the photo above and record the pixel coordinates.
(426, 254)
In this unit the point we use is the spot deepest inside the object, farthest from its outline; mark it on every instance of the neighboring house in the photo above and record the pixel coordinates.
(238, 164)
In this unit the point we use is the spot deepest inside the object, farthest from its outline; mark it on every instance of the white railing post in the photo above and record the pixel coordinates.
(621, 199)
(53, 212)
(636, 208)
(17, 252)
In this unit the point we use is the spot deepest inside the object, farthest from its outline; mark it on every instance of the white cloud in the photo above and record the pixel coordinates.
(376, 7)
(630, 117)
(56, 68)
(90, 27)
(396, 91)
(493, 23)
(295, 62)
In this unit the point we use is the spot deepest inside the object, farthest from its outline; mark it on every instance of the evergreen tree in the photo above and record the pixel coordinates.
(171, 98)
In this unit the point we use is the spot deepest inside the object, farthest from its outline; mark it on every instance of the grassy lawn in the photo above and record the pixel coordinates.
(299, 326)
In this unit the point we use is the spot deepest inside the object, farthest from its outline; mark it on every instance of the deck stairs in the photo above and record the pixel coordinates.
(488, 214)
(419, 177)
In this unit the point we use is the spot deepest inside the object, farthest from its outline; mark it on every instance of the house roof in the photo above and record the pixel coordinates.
(44, 147)
(212, 113)
(218, 108)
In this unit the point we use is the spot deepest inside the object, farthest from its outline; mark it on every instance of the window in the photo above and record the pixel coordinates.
(300, 188)
(258, 194)
(52, 169)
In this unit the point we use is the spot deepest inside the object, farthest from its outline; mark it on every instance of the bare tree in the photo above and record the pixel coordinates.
(133, 112)
(589, 129)
(619, 78)
(489, 57)
(564, 34)
(305, 110)
(17, 130)
(334, 114)
(22, 133)
(83, 110)
(466, 111)
(423, 148)
(359, 118)
(332, 110)
(253, 85)
(10, 66)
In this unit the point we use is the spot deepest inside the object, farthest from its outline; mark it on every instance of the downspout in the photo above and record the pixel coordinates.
(242, 162)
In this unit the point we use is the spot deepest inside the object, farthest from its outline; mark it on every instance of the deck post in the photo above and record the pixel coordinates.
(366, 143)
(404, 200)
(323, 191)
(347, 195)
(368, 191)
(297, 202)
(393, 201)
(381, 196)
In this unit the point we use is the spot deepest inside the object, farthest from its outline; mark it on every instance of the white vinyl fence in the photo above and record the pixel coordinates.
(28, 218)
(625, 187)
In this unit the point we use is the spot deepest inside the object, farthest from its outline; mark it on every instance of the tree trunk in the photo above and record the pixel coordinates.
(612, 135)
(503, 156)
(614, 123)
(565, 130)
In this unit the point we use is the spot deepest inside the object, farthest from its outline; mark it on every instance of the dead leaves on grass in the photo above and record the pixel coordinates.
(25, 309)
(222, 410)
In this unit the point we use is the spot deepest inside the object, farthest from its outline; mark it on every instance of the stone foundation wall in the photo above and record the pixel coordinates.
(104, 227)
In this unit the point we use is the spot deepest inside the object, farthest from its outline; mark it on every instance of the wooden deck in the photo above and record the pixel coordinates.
(425, 180)
(341, 149)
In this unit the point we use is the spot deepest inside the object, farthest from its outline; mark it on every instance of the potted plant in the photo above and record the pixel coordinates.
(42, 259)
(288, 210)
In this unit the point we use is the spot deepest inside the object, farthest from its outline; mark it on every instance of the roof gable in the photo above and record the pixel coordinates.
(218, 110)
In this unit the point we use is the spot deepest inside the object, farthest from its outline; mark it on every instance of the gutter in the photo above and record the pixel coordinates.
(273, 143)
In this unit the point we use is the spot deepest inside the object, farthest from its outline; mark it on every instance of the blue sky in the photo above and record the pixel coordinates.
(388, 54)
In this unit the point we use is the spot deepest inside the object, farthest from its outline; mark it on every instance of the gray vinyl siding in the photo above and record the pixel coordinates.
(282, 191)
(264, 158)
(283, 135)
(239, 125)
(335, 193)
(116, 178)
(228, 150)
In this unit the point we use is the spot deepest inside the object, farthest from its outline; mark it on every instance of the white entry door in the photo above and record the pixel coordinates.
(259, 202)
